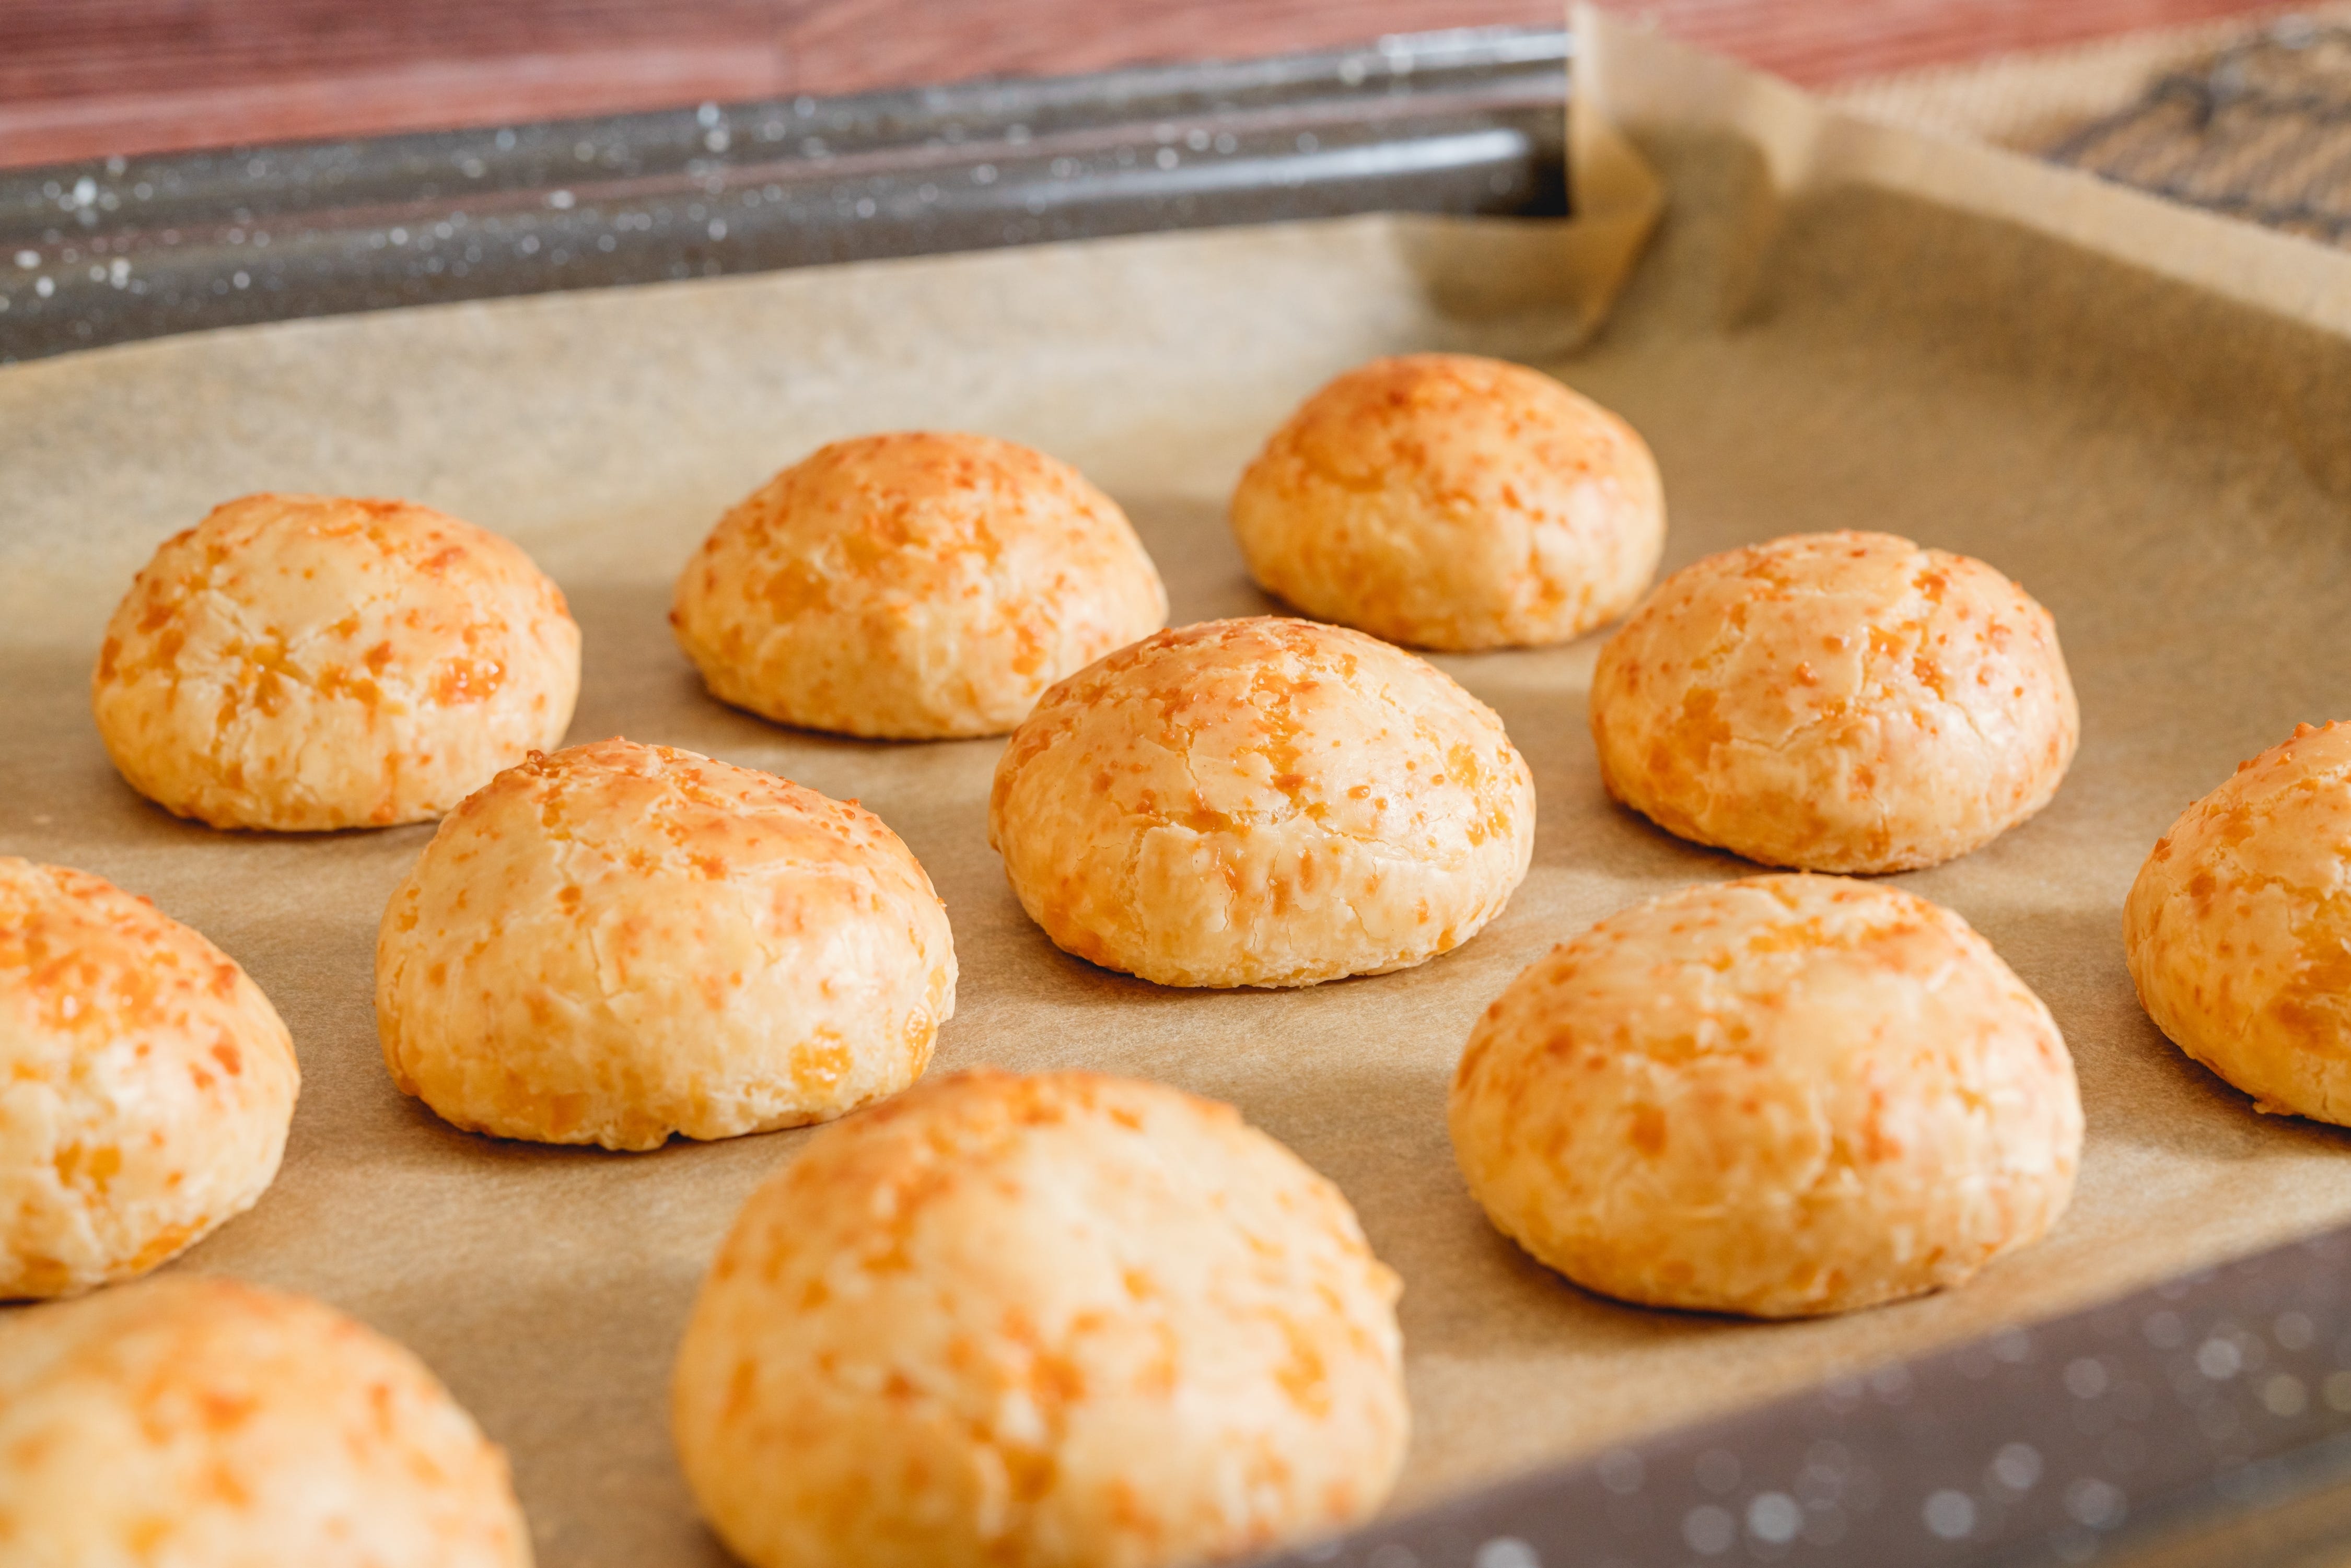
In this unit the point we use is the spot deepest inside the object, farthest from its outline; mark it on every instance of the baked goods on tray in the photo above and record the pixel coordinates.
(1078, 1319)
(197, 1421)
(1060, 1321)
(1262, 802)
(146, 1084)
(919, 585)
(304, 662)
(1781, 1096)
(614, 942)
(1447, 501)
(1842, 702)
(2238, 928)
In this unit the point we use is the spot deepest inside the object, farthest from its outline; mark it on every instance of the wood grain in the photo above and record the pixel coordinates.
(82, 78)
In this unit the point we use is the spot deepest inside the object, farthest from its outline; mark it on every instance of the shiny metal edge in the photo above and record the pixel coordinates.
(2204, 1421)
(106, 251)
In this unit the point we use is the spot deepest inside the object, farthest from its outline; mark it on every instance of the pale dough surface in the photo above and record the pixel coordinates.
(146, 1084)
(1060, 1322)
(1841, 702)
(303, 662)
(1450, 501)
(2239, 927)
(197, 1422)
(916, 585)
(1783, 1096)
(614, 942)
(1262, 802)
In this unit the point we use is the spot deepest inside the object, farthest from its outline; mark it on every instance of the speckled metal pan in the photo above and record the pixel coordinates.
(127, 248)
(2203, 1423)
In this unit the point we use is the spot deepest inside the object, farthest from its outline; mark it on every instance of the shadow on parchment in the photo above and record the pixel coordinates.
(1191, 543)
(2137, 1088)
(592, 1453)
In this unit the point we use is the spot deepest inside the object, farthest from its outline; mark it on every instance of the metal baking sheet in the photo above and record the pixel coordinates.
(2205, 1421)
(118, 249)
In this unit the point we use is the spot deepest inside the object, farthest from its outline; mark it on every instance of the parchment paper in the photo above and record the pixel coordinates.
(2143, 414)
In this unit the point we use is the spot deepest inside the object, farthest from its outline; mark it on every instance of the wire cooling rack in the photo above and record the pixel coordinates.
(2259, 130)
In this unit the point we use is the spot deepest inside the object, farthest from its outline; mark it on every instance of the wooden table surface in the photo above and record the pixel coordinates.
(82, 78)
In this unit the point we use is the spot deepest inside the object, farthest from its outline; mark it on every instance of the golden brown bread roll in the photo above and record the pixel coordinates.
(618, 942)
(304, 662)
(1262, 802)
(913, 586)
(1446, 501)
(1842, 702)
(1067, 1321)
(2239, 927)
(146, 1083)
(1782, 1096)
(190, 1422)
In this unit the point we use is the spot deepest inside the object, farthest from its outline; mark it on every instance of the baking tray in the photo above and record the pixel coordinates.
(2202, 1422)
(121, 248)
(2230, 1385)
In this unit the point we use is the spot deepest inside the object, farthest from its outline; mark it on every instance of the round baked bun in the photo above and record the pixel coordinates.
(200, 1422)
(915, 586)
(1783, 1096)
(1262, 802)
(2239, 927)
(1060, 1322)
(615, 942)
(303, 662)
(145, 1084)
(1452, 502)
(1841, 702)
